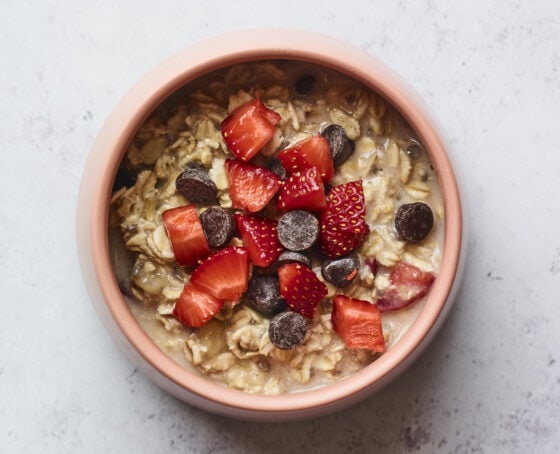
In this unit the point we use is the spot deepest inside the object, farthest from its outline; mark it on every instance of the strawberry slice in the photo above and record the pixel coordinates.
(250, 187)
(312, 152)
(303, 191)
(301, 288)
(358, 323)
(408, 284)
(185, 232)
(248, 128)
(225, 274)
(195, 307)
(260, 237)
(343, 225)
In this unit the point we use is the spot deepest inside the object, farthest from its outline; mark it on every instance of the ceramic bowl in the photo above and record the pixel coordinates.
(93, 207)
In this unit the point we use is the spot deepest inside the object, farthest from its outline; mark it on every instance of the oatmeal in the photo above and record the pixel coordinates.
(285, 224)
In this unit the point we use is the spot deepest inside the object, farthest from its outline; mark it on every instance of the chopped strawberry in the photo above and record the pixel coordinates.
(225, 274)
(358, 323)
(301, 288)
(343, 226)
(195, 307)
(311, 152)
(248, 128)
(250, 187)
(260, 237)
(303, 191)
(408, 284)
(185, 232)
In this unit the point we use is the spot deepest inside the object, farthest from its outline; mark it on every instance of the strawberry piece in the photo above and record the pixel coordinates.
(248, 128)
(260, 237)
(225, 274)
(312, 152)
(185, 232)
(250, 187)
(301, 288)
(303, 191)
(343, 226)
(408, 284)
(358, 323)
(195, 307)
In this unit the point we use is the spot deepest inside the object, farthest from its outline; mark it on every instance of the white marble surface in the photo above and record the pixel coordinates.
(489, 383)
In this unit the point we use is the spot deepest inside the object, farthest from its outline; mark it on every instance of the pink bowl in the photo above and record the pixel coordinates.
(93, 207)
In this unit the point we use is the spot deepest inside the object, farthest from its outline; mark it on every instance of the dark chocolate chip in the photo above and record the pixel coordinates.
(298, 230)
(304, 85)
(414, 151)
(291, 257)
(341, 146)
(341, 272)
(414, 221)
(124, 178)
(277, 167)
(218, 225)
(195, 185)
(264, 295)
(287, 330)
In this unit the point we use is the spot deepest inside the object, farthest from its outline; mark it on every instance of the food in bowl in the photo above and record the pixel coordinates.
(286, 225)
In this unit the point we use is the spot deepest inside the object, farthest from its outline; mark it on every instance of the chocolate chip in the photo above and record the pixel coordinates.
(124, 178)
(341, 146)
(341, 272)
(287, 330)
(277, 167)
(195, 185)
(414, 221)
(291, 257)
(414, 151)
(218, 225)
(304, 85)
(264, 295)
(298, 230)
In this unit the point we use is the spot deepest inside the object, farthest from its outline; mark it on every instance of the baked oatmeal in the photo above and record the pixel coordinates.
(286, 225)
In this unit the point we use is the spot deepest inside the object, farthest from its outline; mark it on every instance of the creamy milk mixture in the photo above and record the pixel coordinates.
(233, 348)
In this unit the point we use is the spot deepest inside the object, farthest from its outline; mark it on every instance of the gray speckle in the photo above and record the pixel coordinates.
(415, 439)
(555, 264)
(493, 278)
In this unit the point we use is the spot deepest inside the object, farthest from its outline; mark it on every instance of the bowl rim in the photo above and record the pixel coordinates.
(226, 50)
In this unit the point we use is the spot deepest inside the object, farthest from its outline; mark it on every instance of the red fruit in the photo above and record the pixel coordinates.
(303, 191)
(343, 225)
(312, 152)
(248, 128)
(250, 187)
(301, 288)
(195, 307)
(185, 232)
(260, 237)
(225, 274)
(358, 323)
(408, 284)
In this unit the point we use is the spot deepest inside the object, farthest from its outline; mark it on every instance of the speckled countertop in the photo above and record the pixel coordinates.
(489, 383)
